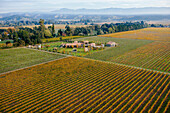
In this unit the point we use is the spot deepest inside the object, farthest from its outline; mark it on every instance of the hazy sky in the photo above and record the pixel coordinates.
(50, 5)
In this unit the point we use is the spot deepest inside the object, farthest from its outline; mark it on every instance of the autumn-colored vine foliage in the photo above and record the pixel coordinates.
(159, 34)
(155, 56)
(81, 85)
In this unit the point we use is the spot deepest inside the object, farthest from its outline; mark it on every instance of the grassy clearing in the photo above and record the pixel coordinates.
(12, 59)
(69, 51)
(6, 41)
(159, 34)
(80, 85)
(125, 45)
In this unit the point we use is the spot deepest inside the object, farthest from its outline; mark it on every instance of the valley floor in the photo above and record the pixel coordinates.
(133, 77)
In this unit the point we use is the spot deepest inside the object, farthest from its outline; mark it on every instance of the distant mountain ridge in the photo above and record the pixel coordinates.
(99, 15)
(16, 18)
(95, 17)
(118, 11)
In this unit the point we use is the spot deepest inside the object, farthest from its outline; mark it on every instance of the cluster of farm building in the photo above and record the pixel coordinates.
(82, 44)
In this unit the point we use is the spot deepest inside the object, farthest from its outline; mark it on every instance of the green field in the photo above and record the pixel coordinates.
(125, 45)
(6, 41)
(68, 51)
(12, 59)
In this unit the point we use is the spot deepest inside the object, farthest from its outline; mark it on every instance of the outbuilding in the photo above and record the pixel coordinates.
(111, 44)
(39, 46)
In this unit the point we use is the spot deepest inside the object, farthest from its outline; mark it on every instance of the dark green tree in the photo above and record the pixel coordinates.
(42, 27)
(15, 37)
(47, 34)
(60, 32)
(21, 43)
(61, 38)
(68, 30)
(53, 30)
(5, 36)
(26, 37)
(11, 32)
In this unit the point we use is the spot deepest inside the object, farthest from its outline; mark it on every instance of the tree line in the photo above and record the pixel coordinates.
(101, 29)
(12, 23)
(28, 36)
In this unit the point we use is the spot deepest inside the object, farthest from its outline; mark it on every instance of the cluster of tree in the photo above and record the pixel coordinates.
(158, 25)
(103, 29)
(33, 22)
(17, 23)
(25, 36)
(28, 36)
